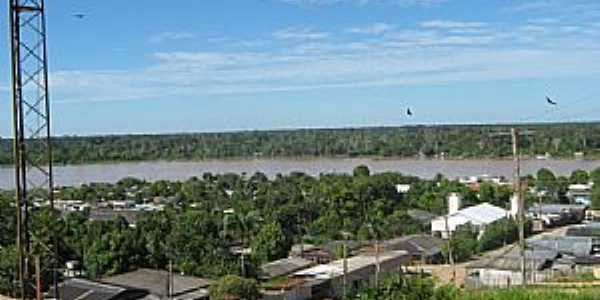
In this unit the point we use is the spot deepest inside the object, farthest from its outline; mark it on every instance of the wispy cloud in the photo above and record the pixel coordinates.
(445, 24)
(572, 8)
(171, 36)
(379, 54)
(293, 33)
(375, 28)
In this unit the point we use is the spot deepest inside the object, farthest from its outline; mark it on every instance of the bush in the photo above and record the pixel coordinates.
(498, 234)
(464, 244)
(234, 287)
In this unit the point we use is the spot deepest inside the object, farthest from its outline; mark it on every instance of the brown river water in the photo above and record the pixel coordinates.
(70, 175)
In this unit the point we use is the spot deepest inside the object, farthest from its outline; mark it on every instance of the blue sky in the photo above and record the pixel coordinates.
(273, 64)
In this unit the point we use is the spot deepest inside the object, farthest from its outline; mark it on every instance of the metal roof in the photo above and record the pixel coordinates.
(355, 263)
(416, 244)
(511, 260)
(82, 289)
(556, 208)
(284, 266)
(589, 230)
(575, 246)
(155, 281)
(481, 214)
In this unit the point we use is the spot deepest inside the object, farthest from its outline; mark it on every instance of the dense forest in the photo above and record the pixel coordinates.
(452, 141)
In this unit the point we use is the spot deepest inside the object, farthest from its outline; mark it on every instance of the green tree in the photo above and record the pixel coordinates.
(270, 243)
(361, 171)
(579, 177)
(498, 234)
(545, 180)
(197, 247)
(7, 226)
(8, 256)
(487, 193)
(234, 287)
(596, 196)
(464, 243)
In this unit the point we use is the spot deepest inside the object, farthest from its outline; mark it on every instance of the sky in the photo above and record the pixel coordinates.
(202, 66)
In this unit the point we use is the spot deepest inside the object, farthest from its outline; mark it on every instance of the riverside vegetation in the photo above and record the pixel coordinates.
(456, 141)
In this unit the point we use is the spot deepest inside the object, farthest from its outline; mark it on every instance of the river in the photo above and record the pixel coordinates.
(111, 172)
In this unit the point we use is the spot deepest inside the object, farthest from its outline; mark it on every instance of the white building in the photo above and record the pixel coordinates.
(580, 193)
(402, 188)
(479, 216)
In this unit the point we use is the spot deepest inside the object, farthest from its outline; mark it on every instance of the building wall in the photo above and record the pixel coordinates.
(366, 276)
(502, 278)
(298, 293)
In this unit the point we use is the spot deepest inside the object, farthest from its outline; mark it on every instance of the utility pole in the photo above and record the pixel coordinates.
(521, 206)
(377, 262)
(345, 283)
(450, 252)
(38, 279)
(171, 283)
(346, 236)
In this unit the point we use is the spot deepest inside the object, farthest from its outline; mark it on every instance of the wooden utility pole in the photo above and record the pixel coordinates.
(377, 263)
(171, 289)
(449, 245)
(38, 279)
(521, 206)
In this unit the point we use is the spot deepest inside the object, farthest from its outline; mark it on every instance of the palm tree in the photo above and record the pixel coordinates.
(246, 223)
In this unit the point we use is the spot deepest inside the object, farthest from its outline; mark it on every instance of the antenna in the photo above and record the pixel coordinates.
(32, 147)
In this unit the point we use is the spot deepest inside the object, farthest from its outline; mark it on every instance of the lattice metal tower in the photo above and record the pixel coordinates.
(32, 147)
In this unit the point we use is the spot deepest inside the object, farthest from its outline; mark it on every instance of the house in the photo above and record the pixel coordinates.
(568, 245)
(121, 204)
(157, 283)
(478, 216)
(82, 289)
(283, 267)
(71, 205)
(587, 230)
(505, 270)
(558, 214)
(422, 248)
(325, 253)
(287, 288)
(403, 188)
(327, 281)
(107, 214)
(580, 193)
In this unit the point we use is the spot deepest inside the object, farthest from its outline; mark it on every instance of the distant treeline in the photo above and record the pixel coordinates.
(453, 141)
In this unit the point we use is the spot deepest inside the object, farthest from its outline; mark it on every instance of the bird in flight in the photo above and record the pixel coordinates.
(409, 112)
(79, 16)
(551, 102)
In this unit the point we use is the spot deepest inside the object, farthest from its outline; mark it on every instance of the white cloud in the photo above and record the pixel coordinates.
(444, 24)
(294, 33)
(172, 36)
(376, 28)
(303, 59)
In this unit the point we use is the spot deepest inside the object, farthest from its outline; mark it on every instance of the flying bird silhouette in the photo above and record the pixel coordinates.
(551, 102)
(79, 16)
(409, 112)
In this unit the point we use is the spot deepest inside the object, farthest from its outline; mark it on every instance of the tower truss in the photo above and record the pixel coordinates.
(32, 144)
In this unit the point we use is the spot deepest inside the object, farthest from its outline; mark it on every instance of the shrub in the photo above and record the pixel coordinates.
(234, 287)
